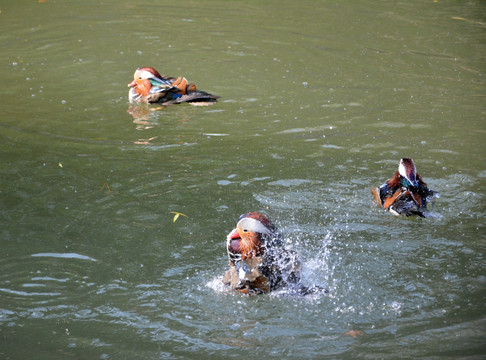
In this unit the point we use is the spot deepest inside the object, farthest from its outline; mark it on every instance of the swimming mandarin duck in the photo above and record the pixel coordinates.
(148, 86)
(258, 262)
(405, 192)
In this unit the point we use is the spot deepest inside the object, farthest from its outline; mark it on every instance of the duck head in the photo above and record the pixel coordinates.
(252, 235)
(144, 79)
(408, 173)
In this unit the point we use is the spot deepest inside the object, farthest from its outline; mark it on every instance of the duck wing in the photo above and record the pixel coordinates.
(197, 96)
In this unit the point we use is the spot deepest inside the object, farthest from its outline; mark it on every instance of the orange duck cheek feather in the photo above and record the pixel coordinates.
(250, 246)
(143, 87)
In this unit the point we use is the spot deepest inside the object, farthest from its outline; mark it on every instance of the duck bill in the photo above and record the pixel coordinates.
(233, 235)
(132, 84)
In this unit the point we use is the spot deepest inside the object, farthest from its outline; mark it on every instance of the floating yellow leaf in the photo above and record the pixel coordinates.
(60, 165)
(107, 186)
(176, 215)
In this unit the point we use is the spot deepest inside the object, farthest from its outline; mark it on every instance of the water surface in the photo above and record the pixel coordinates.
(319, 101)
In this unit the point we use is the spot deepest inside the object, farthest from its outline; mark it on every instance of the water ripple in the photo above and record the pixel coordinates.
(64, 256)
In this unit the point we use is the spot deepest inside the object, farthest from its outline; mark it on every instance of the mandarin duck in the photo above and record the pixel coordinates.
(405, 192)
(257, 259)
(148, 86)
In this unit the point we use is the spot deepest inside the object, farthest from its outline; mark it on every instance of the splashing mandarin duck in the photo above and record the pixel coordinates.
(405, 193)
(258, 261)
(149, 87)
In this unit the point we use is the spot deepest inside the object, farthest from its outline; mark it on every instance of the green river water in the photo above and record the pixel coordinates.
(319, 101)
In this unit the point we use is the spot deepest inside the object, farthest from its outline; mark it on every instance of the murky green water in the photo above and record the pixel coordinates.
(319, 102)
